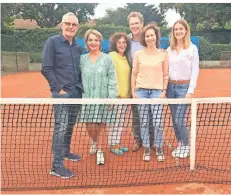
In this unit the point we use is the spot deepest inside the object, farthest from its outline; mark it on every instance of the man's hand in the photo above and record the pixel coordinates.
(62, 92)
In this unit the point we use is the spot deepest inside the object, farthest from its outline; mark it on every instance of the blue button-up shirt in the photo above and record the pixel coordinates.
(60, 64)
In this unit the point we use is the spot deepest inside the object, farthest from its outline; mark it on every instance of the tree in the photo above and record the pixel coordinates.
(119, 16)
(150, 12)
(8, 10)
(50, 14)
(209, 15)
(216, 15)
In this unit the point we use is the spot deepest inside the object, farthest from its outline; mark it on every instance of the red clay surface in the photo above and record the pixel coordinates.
(211, 83)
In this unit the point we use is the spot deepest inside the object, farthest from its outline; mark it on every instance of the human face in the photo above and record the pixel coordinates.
(150, 37)
(121, 45)
(93, 43)
(179, 31)
(135, 25)
(69, 26)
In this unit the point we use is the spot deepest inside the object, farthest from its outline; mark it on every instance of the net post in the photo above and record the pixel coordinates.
(193, 134)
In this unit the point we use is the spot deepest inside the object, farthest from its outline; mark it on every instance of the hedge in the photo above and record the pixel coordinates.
(214, 36)
(33, 40)
(210, 51)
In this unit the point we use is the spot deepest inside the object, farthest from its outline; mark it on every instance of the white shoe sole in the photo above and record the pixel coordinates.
(72, 159)
(184, 156)
(57, 175)
(146, 160)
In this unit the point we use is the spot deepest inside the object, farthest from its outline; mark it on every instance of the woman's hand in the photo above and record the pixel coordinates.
(134, 95)
(111, 106)
(188, 95)
(163, 94)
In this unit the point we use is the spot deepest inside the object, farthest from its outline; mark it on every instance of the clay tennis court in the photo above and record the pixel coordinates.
(211, 83)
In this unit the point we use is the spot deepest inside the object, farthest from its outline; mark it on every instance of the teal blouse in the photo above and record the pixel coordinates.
(99, 81)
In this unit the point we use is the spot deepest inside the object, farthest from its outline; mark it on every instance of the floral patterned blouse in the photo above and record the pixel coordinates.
(99, 81)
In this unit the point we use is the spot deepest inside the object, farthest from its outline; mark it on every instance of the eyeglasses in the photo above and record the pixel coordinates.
(71, 24)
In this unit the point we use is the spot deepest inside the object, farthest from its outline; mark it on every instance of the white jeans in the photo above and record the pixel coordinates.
(115, 130)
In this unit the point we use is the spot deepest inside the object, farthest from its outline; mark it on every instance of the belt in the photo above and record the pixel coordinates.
(179, 81)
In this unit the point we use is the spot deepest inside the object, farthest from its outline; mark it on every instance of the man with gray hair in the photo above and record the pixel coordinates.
(60, 67)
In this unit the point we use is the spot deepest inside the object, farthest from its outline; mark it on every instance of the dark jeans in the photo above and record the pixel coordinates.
(178, 111)
(65, 118)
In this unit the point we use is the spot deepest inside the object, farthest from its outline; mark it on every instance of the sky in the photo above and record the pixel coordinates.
(100, 11)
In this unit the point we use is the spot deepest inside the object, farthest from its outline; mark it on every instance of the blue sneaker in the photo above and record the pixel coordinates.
(124, 149)
(73, 157)
(61, 172)
(117, 151)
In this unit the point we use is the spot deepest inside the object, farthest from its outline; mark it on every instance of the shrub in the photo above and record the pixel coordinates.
(209, 51)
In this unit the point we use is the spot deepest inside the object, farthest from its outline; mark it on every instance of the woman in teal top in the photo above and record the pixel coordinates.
(99, 81)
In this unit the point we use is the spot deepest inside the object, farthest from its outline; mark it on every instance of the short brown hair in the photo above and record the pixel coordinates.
(136, 14)
(156, 30)
(115, 38)
(94, 32)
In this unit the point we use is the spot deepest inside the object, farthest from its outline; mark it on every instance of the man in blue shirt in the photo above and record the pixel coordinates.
(136, 22)
(60, 67)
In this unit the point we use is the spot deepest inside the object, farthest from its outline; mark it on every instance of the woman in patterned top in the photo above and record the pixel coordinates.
(183, 73)
(99, 81)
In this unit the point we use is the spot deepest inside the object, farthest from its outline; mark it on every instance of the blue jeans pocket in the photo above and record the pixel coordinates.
(140, 93)
(183, 86)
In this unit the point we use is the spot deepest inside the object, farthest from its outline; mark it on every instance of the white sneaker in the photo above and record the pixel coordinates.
(183, 152)
(100, 158)
(147, 155)
(159, 154)
(177, 150)
(93, 148)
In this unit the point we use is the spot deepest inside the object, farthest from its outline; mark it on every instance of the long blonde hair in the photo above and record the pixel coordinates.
(187, 40)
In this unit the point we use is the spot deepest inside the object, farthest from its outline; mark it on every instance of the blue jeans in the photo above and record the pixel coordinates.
(178, 111)
(156, 115)
(65, 117)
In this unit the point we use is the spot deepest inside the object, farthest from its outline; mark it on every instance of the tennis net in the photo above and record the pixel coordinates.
(28, 126)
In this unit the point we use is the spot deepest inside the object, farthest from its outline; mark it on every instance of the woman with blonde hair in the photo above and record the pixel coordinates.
(99, 81)
(183, 73)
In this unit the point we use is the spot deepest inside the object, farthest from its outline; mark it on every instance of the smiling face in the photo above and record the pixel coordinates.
(69, 26)
(121, 45)
(150, 37)
(179, 31)
(93, 43)
(135, 25)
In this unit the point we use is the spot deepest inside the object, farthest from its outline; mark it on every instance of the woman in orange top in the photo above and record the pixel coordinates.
(150, 80)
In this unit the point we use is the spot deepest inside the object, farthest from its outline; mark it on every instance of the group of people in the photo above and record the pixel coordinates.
(136, 67)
